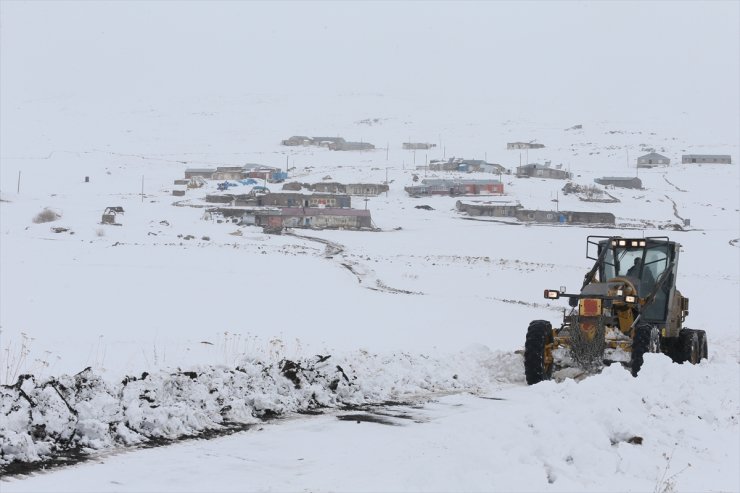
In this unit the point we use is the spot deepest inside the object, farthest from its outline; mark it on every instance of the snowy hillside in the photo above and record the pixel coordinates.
(177, 352)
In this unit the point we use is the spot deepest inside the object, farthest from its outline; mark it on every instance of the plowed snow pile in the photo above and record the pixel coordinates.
(43, 418)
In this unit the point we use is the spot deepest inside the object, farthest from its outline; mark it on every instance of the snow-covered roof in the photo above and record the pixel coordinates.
(652, 155)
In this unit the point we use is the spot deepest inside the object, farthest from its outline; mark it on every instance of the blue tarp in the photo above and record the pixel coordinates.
(226, 185)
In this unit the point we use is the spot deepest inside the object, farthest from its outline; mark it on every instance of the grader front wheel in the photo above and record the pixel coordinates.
(646, 340)
(538, 352)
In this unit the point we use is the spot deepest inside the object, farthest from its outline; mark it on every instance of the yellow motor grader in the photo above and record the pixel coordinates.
(628, 306)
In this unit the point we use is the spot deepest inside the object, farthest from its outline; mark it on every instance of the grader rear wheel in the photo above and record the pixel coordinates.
(538, 352)
(703, 350)
(689, 349)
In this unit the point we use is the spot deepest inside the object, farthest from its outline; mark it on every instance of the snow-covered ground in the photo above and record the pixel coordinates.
(421, 320)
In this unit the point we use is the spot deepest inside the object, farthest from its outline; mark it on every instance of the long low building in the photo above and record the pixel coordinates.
(298, 217)
(489, 208)
(566, 217)
(320, 218)
(456, 187)
(305, 199)
(620, 181)
(706, 158)
(515, 211)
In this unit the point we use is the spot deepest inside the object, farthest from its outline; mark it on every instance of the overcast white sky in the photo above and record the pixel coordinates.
(612, 59)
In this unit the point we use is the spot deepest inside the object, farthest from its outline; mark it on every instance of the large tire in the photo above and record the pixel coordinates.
(538, 348)
(640, 346)
(689, 349)
(703, 349)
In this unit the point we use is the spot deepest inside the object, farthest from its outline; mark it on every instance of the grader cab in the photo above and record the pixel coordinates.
(627, 306)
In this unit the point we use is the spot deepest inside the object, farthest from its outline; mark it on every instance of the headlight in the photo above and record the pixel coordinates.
(552, 294)
(629, 299)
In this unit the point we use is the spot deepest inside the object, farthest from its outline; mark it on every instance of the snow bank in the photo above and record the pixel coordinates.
(43, 418)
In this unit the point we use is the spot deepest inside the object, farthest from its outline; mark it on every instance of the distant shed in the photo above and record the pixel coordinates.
(620, 181)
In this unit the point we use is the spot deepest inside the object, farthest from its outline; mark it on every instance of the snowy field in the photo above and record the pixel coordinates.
(410, 356)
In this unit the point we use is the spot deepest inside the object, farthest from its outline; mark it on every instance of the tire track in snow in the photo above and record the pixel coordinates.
(364, 274)
(675, 209)
(672, 184)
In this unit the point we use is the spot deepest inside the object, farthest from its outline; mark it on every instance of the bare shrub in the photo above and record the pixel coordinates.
(16, 355)
(46, 216)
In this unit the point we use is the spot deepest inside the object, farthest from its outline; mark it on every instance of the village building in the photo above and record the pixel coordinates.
(333, 143)
(620, 181)
(361, 189)
(276, 219)
(323, 218)
(523, 145)
(441, 165)
(489, 208)
(236, 173)
(351, 146)
(466, 166)
(297, 140)
(479, 165)
(706, 158)
(365, 189)
(652, 159)
(566, 217)
(294, 199)
(218, 198)
(202, 172)
(514, 210)
(229, 173)
(456, 187)
(541, 171)
(265, 173)
(418, 145)
(327, 141)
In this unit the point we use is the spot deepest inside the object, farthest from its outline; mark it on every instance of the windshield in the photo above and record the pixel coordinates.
(642, 265)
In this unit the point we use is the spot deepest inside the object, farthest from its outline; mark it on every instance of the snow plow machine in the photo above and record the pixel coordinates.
(628, 306)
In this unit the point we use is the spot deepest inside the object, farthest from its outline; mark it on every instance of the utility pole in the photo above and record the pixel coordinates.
(386, 182)
(19, 182)
(387, 149)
